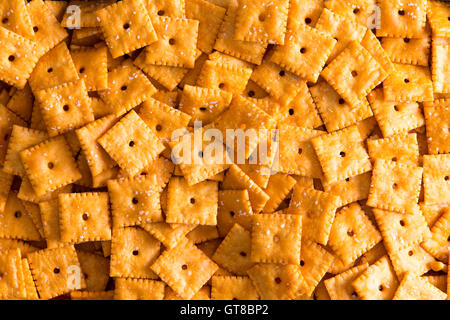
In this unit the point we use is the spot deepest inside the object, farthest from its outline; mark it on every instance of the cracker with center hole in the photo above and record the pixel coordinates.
(413, 287)
(54, 271)
(395, 186)
(317, 209)
(12, 284)
(135, 200)
(361, 11)
(161, 167)
(276, 238)
(16, 18)
(438, 244)
(233, 207)
(184, 268)
(232, 288)
(401, 147)
(21, 138)
(169, 8)
(50, 165)
(196, 204)
(203, 104)
(354, 73)
(55, 68)
(277, 281)
(341, 28)
(18, 58)
(341, 154)
(95, 269)
(351, 189)
(413, 259)
(401, 18)
(395, 117)
(296, 153)
(21, 103)
(138, 289)
(336, 113)
(437, 14)
(126, 27)
(92, 67)
(168, 234)
(84, 217)
(340, 287)
(131, 144)
(127, 88)
(440, 65)
(133, 251)
(65, 107)
(216, 74)
(352, 233)
(378, 282)
(298, 56)
(408, 51)
(436, 178)
(305, 12)
(162, 119)
(47, 30)
(236, 179)
(409, 83)
(252, 52)
(282, 85)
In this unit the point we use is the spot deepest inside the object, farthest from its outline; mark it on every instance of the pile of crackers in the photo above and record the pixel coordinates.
(353, 203)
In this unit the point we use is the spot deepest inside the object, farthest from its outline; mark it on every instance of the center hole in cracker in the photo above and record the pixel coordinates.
(402, 223)
(395, 186)
(192, 200)
(396, 108)
(11, 58)
(308, 20)
(302, 50)
(300, 150)
(161, 12)
(356, 10)
(126, 26)
(35, 29)
(276, 239)
(5, 20)
(380, 287)
(341, 101)
(282, 73)
(221, 85)
(342, 154)
(184, 266)
(262, 17)
(17, 214)
(131, 143)
(243, 254)
(56, 270)
(277, 280)
(410, 253)
(202, 109)
(123, 88)
(172, 41)
(135, 252)
(446, 178)
(50, 70)
(394, 159)
(350, 233)
(82, 70)
(354, 73)
(291, 112)
(135, 200)
(251, 93)
(85, 216)
(302, 263)
(66, 107)
(232, 213)
(158, 127)
(406, 80)
(406, 40)
(51, 165)
(401, 12)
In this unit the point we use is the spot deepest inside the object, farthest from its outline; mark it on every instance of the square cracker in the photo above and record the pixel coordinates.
(232, 288)
(18, 58)
(400, 18)
(84, 217)
(341, 154)
(55, 68)
(317, 209)
(196, 204)
(351, 189)
(127, 88)
(395, 186)
(91, 64)
(341, 28)
(440, 65)
(408, 51)
(126, 27)
(395, 117)
(335, 112)
(210, 18)
(131, 144)
(437, 14)
(234, 252)
(135, 200)
(436, 178)
(438, 244)
(296, 154)
(184, 268)
(378, 282)
(47, 30)
(413, 259)
(413, 287)
(15, 17)
(352, 233)
(361, 11)
(261, 21)
(408, 84)
(354, 73)
(138, 289)
(176, 44)
(401, 147)
(340, 287)
(65, 107)
(50, 165)
(133, 251)
(252, 52)
(277, 281)
(170, 8)
(276, 238)
(305, 12)
(437, 118)
(305, 52)
(21, 138)
(233, 207)
(54, 271)
(12, 285)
